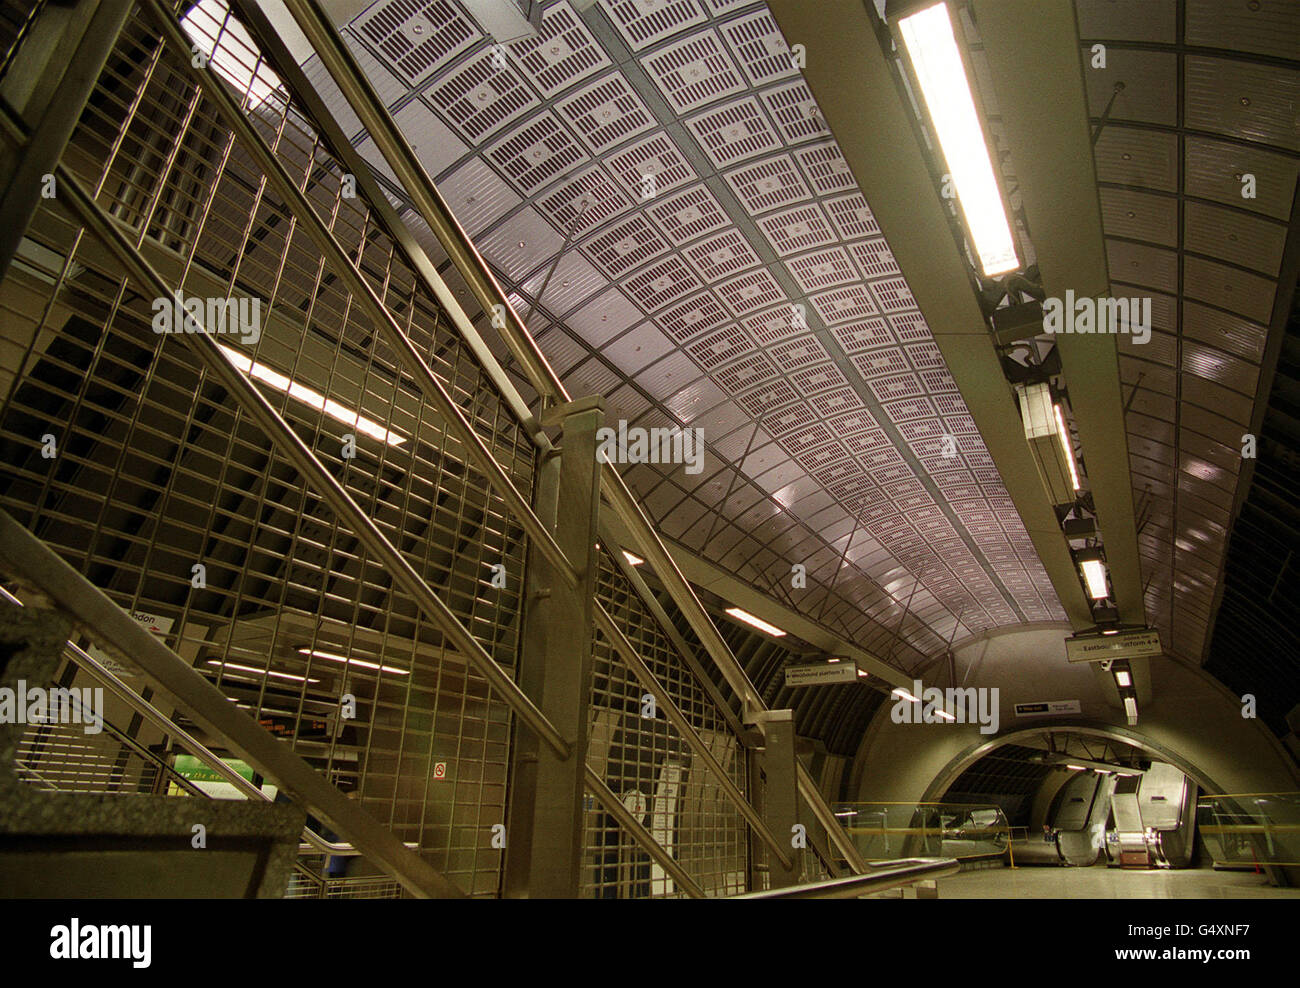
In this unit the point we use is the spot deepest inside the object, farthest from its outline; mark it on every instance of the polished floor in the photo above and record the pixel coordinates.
(1109, 883)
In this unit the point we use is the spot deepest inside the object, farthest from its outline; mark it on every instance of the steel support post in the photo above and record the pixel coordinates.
(53, 75)
(544, 848)
(781, 796)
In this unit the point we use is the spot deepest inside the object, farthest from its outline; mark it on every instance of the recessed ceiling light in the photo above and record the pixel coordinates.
(758, 623)
(362, 663)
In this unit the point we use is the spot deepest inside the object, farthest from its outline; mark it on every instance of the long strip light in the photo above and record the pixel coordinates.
(758, 623)
(1123, 677)
(904, 694)
(1131, 708)
(262, 672)
(936, 60)
(335, 410)
(334, 657)
(1066, 445)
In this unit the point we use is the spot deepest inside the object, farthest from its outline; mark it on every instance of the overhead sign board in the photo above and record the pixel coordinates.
(821, 674)
(1124, 645)
(1047, 708)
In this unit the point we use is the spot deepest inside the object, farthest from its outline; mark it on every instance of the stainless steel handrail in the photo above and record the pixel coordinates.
(879, 878)
(433, 209)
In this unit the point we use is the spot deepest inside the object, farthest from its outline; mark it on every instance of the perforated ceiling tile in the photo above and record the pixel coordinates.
(477, 195)
(843, 304)
(689, 214)
(417, 36)
(852, 216)
(637, 349)
(826, 168)
(661, 283)
(776, 324)
(692, 317)
(745, 373)
(879, 363)
(734, 132)
(875, 259)
(561, 54)
(650, 167)
(794, 419)
(768, 184)
(605, 113)
(750, 292)
(626, 246)
(770, 395)
(863, 334)
(481, 96)
(721, 255)
(603, 319)
(643, 22)
(908, 409)
(822, 269)
(799, 352)
(759, 47)
(537, 153)
(893, 295)
(796, 113)
(584, 202)
(818, 379)
(718, 347)
(693, 72)
(792, 230)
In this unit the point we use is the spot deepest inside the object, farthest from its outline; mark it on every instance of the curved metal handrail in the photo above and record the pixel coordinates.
(879, 878)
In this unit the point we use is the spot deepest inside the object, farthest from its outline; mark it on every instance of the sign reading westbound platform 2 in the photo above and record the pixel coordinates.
(1123, 645)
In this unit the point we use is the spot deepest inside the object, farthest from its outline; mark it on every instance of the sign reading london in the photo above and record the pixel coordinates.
(1123, 645)
(821, 674)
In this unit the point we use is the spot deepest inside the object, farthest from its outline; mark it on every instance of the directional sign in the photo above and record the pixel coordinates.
(1047, 708)
(1122, 645)
(821, 674)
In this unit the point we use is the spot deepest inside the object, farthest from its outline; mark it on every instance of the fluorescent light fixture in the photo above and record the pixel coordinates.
(903, 694)
(1068, 446)
(944, 714)
(1111, 631)
(304, 394)
(1131, 708)
(936, 60)
(834, 660)
(863, 674)
(1078, 768)
(268, 672)
(632, 560)
(1094, 573)
(758, 623)
(231, 50)
(335, 657)
(1123, 677)
(1049, 440)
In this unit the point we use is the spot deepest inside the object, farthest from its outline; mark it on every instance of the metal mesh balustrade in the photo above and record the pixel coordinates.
(651, 768)
(151, 469)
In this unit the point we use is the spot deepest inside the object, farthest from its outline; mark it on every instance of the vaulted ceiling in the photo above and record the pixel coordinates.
(716, 267)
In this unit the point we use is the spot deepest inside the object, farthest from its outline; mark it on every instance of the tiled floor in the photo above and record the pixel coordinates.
(1109, 883)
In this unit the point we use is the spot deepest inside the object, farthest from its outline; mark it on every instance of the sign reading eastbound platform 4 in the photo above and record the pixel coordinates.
(821, 674)
(1123, 645)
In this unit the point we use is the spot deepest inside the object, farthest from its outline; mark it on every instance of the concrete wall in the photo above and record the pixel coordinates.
(1185, 717)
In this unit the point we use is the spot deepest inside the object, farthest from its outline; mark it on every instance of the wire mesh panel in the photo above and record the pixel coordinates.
(141, 471)
(648, 765)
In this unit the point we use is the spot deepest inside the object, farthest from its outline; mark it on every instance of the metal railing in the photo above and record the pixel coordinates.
(880, 877)
(232, 158)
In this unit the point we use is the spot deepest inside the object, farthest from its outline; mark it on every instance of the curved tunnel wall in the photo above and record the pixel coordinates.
(1187, 718)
